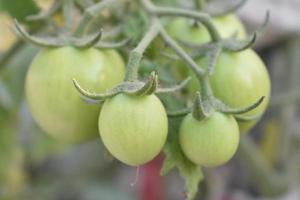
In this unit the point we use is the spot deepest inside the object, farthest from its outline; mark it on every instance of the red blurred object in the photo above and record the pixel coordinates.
(150, 181)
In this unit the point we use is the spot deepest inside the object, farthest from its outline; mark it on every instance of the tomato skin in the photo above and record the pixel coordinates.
(133, 128)
(239, 80)
(210, 142)
(53, 100)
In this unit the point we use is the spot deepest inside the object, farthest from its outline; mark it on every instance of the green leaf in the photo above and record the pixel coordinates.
(175, 158)
(137, 19)
(19, 9)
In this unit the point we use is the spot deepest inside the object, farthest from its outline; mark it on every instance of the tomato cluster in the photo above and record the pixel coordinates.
(134, 127)
(238, 80)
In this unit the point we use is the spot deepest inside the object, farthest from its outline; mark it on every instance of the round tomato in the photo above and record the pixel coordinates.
(211, 141)
(239, 80)
(53, 100)
(133, 128)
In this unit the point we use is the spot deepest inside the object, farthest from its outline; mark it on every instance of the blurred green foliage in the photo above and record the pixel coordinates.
(19, 9)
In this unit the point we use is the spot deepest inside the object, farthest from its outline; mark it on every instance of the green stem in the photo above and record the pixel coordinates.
(181, 53)
(206, 90)
(93, 12)
(204, 18)
(136, 54)
(68, 13)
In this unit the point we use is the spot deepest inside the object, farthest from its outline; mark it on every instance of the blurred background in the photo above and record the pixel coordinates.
(267, 166)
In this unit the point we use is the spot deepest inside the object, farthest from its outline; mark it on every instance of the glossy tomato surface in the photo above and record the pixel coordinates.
(210, 142)
(53, 100)
(133, 128)
(239, 80)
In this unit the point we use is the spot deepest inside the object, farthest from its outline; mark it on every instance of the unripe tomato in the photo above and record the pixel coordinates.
(239, 80)
(133, 128)
(54, 102)
(211, 141)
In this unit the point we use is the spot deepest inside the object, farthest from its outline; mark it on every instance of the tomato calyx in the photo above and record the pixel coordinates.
(205, 106)
(202, 107)
(88, 41)
(139, 88)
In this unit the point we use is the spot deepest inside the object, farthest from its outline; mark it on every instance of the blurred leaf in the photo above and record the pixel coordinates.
(175, 158)
(270, 140)
(12, 173)
(5, 98)
(13, 75)
(137, 19)
(19, 9)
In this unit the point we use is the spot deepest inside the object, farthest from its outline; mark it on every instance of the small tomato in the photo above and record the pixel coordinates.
(210, 142)
(133, 128)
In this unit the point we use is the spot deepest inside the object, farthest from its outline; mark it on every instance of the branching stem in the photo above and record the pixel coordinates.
(204, 18)
(92, 12)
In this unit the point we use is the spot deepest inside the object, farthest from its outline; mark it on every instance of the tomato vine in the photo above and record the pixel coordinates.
(205, 114)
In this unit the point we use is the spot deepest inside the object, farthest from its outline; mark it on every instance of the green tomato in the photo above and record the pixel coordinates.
(133, 128)
(54, 102)
(210, 142)
(239, 80)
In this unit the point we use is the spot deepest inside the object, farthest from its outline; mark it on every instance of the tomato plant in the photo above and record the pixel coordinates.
(133, 129)
(53, 101)
(133, 123)
(211, 141)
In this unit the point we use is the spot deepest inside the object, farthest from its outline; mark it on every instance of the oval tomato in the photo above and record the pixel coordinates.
(239, 80)
(54, 102)
(211, 141)
(133, 128)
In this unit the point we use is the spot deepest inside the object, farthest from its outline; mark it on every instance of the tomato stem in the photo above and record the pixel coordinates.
(181, 53)
(93, 12)
(204, 18)
(68, 13)
(136, 54)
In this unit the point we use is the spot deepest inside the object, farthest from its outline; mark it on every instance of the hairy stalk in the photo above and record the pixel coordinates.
(68, 13)
(137, 54)
(200, 73)
(204, 18)
(181, 53)
(93, 12)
